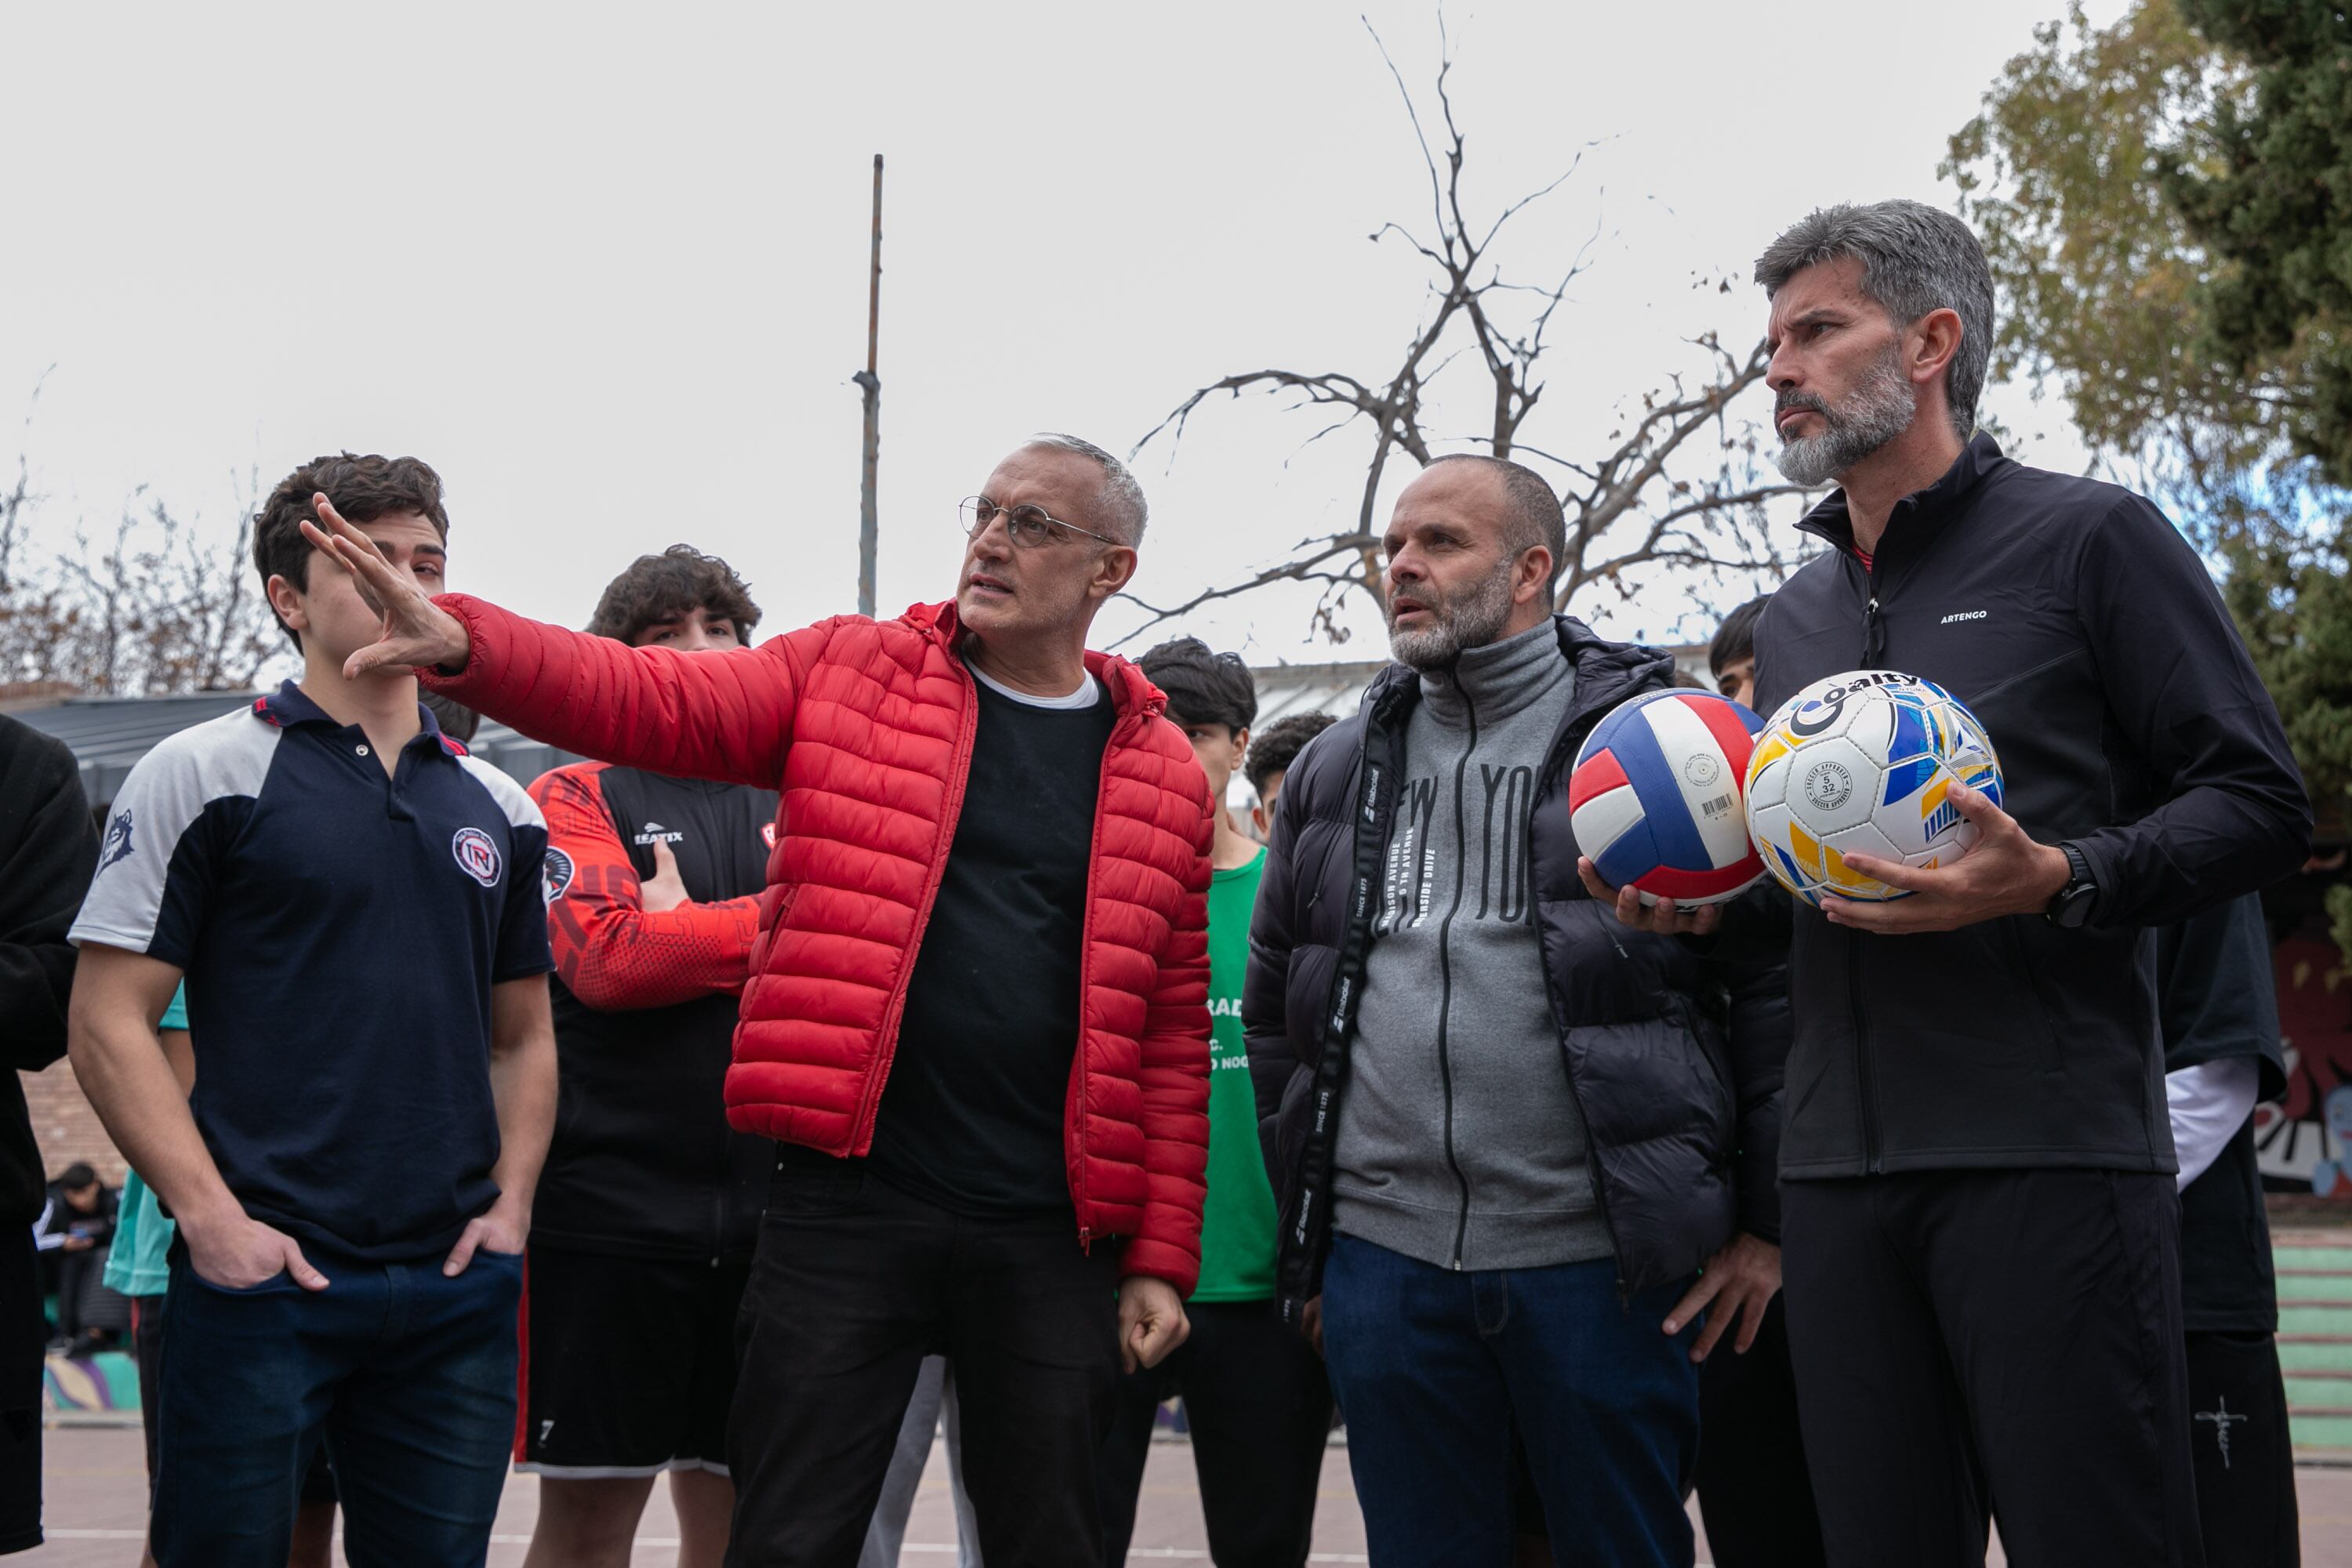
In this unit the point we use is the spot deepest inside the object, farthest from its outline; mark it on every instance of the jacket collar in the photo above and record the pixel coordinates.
(1606, 674)
(1131, 692)
(1919, 517)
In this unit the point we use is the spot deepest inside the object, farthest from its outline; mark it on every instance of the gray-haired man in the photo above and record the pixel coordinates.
(1981, 1238)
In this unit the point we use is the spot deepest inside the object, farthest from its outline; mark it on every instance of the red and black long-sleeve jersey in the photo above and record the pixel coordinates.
(642, 1161)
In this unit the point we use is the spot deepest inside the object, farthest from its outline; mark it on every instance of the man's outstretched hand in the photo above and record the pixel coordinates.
(2003, 873)
(1666, 917)
(417, 633)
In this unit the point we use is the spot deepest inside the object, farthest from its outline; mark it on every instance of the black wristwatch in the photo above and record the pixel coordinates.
(2073, 905)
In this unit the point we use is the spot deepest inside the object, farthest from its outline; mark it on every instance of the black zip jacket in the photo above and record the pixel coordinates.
(642, 1163)
(2085, 634)
(49, 849)
(1673, 1049)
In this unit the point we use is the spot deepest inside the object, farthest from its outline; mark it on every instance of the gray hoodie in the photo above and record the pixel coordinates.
(1460, 1142)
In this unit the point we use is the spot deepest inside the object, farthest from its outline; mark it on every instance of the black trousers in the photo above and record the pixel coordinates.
(854, 1283)
(23, 1343)
(1754, 1490)
(147, 1344)
(1259, 1410)
(2245, 1458)
(1993, 1341)
(78, 1274)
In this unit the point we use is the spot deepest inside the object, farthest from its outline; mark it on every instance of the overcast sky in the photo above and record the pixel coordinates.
(605, 267)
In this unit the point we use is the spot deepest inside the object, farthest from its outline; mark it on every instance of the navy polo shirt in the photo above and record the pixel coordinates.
(341, 931)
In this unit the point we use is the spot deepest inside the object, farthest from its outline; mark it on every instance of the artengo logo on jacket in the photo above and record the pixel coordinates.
(1964, 615)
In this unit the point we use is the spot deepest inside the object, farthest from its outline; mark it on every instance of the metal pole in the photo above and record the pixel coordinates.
(868, 526)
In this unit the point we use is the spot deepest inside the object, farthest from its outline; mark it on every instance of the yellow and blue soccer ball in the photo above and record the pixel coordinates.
(1861, 764)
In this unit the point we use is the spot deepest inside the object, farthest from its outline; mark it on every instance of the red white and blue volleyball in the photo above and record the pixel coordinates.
(1656, 797)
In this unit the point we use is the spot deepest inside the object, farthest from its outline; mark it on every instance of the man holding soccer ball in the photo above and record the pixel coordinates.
(1981, 1235)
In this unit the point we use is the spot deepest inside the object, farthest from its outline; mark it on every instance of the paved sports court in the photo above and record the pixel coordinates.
(95, 1510)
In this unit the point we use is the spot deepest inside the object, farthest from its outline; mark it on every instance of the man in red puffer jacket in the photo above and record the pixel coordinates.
(977, 1014)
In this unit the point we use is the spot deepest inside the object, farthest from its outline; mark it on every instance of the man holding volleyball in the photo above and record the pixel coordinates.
(1982, 1239)
(1504, 1135)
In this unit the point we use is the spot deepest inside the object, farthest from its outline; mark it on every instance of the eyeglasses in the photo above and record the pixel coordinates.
(1026, 526)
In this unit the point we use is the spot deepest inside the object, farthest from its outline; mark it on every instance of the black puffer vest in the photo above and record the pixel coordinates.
(1673, 1047)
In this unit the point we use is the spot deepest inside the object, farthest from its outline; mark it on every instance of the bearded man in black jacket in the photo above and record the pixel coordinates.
(1522, 1160)
(47, 849)
(1981, 1238)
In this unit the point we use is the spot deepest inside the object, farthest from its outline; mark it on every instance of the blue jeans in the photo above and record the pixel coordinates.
(408, 1377)
(1436, 1370)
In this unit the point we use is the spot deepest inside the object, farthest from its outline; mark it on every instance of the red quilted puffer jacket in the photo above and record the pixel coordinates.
(866, 729)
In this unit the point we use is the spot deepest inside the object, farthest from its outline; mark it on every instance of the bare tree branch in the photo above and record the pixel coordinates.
(161, 606)
(1645, 504)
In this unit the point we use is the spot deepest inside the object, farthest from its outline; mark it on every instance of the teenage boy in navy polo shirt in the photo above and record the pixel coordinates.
(356, 906)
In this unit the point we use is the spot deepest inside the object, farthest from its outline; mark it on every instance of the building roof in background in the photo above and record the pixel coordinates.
(109, 734)
(1339, 688)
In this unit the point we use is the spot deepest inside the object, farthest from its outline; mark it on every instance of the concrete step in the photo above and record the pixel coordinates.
(2290, 1253)
(2314, 1352)
(2318, 1390)
(2314, 1318)
(2330, 1286)
(2321, 1431)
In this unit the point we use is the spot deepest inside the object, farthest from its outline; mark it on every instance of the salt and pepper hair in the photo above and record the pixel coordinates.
(1914, 260)
(1121, 500)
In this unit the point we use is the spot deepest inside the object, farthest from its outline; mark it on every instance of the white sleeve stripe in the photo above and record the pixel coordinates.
(512, 798)
(167, 792)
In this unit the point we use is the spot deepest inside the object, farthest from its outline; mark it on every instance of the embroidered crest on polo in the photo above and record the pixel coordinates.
(476, 855)
(555, 873)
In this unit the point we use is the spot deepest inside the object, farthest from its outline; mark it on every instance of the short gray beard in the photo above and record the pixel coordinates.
(1881, 409)
(1474, 620)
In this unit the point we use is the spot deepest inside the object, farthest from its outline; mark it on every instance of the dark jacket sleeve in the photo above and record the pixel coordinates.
(2234, 816)
(48, 849)
(2216, 992)
(1265, 1024)
(99, 1227)
(1749, 959)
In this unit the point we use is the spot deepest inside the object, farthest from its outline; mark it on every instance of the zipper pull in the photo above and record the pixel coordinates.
(1873, 635)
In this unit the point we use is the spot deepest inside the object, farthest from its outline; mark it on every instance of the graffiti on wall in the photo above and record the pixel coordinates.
(2305, 1140)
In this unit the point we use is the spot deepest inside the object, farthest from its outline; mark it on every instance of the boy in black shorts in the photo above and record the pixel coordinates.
(649, 1206)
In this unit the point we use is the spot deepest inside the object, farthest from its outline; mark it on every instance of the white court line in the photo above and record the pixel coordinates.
(1150, 1553)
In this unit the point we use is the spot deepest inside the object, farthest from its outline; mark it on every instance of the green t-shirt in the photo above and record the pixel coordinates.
(1237, 1227)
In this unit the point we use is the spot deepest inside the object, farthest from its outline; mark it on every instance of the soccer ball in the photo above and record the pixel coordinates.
(1654, 797)
(1861, 764)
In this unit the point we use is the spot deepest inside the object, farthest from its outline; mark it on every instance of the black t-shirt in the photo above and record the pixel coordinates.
(971, 1117)
(2217, 999)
